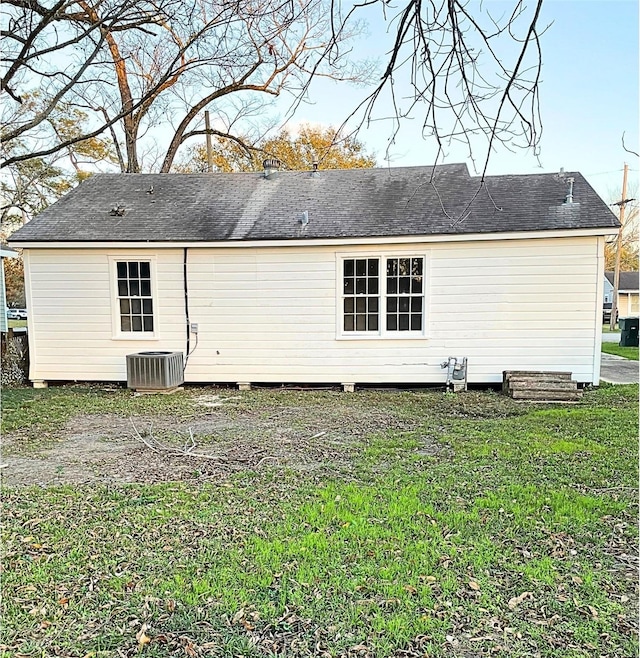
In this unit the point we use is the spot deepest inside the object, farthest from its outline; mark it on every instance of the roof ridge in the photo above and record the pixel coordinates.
(460, 165)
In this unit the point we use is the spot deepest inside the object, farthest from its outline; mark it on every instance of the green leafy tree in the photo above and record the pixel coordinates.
(325, 146)
(14, 282)
(628, 256)
(29, 186)
(629, 239)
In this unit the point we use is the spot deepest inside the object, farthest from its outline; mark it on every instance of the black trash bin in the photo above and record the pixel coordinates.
(628, 332)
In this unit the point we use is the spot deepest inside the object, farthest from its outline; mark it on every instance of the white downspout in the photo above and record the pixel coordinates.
(597, 346)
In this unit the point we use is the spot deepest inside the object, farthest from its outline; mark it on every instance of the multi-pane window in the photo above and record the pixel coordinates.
(361, 294)
(373, 304)
(134, 296)
(404, 294)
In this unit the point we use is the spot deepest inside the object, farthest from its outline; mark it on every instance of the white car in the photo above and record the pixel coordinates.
(16, 314)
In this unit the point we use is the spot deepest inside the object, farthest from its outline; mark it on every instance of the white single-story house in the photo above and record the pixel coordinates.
(362, 276)
(628, 292)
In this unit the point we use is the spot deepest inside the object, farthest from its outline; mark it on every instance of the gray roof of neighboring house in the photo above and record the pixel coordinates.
(347, 203)
(6, 252)
(628, 280)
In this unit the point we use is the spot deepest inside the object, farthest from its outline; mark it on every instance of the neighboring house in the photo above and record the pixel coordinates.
(352, 276)
(608, 289)
(628, 292)
(5, 252)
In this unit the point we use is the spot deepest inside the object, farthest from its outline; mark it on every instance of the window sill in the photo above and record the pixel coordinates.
(135, 337)
(387, 336)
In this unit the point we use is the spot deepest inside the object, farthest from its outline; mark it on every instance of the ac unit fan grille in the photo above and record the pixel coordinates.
(154, 371)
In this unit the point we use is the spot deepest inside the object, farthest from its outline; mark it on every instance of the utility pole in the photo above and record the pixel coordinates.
(616, 272)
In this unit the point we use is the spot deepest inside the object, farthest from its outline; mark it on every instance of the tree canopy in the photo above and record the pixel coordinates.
(140, 68)
(136, 65)
(14, 282)
(299, 151)
(629, 252)
(29, 186)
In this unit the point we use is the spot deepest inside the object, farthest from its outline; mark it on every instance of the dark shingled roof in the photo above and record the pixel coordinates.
(628, 280)
(347, 203)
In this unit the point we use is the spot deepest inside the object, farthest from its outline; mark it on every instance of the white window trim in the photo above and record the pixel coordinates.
(382, 333)
(116, 332)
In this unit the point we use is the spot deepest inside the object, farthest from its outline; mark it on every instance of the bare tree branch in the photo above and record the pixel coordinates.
(628, 150)
(466, 80)
(137, 65)
(249, 46)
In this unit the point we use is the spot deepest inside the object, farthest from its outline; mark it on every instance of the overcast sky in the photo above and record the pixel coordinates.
(588, 97)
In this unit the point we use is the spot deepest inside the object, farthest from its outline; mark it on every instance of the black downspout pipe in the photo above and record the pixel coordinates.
(186, 305)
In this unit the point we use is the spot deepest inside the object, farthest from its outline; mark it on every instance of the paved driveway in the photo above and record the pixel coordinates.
(616, 370)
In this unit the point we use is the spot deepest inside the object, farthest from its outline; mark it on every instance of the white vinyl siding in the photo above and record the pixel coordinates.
(74, 327)
(274, 314)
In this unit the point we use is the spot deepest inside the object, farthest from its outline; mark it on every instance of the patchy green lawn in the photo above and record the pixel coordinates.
(429, 525)
(14, 324)
(606, 329)
(626, 352)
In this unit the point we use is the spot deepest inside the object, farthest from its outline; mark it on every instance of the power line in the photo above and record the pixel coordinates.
(602, 173)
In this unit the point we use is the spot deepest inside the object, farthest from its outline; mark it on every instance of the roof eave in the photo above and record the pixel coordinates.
(444, 237)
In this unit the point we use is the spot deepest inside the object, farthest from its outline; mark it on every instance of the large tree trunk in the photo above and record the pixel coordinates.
(129, 123)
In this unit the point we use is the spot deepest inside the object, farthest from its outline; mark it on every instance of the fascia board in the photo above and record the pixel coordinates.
(320, 242)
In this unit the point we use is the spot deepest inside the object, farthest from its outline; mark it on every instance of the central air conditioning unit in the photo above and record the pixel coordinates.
(155, 371)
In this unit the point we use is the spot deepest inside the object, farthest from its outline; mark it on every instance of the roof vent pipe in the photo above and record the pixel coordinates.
(270, 165)
(569, 197)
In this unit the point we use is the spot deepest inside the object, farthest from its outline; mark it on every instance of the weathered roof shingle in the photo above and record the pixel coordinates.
(350, 203)
(628, 280)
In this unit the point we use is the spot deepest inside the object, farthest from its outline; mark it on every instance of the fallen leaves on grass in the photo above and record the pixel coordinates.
(205, 548)
(142, 637)
(517, 600)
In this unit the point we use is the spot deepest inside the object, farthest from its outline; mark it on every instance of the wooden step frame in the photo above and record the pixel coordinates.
(543, 385)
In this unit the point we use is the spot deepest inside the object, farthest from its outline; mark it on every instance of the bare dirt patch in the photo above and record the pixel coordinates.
(103, 448)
